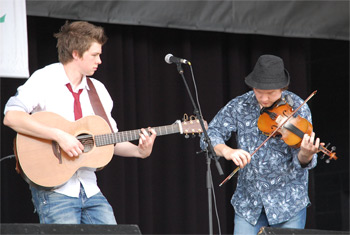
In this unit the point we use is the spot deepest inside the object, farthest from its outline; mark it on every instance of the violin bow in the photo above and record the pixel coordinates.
(271, 135)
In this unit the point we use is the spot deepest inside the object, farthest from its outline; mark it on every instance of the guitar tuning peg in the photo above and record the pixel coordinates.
(193, 135)
(185, 117)
(187, 136)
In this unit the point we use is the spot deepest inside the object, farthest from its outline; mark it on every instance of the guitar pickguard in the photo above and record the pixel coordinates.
(57, 151)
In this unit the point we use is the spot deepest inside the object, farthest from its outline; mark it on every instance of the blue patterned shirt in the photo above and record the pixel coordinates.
(274, 180)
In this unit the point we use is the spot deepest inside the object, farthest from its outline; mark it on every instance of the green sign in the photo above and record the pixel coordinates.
(2, 19)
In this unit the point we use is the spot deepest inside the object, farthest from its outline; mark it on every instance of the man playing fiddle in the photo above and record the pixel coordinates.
(272, 185)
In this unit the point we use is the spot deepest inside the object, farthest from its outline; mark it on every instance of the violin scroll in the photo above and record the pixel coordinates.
(328, 152)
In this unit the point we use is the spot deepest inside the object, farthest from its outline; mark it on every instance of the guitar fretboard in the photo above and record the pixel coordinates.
(123, 136)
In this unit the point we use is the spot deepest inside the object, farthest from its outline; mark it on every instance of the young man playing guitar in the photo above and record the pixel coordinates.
(62, 88)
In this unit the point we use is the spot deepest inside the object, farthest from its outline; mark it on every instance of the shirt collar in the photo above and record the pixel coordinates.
(65, 80)
(253, 101)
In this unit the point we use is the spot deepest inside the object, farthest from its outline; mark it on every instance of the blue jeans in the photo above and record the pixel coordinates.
(242, 227)
(56, 208)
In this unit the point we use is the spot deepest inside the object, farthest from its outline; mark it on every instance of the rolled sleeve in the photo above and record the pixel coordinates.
(15, 104)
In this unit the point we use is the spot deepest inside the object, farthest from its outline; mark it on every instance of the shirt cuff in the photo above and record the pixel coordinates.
(309, 166)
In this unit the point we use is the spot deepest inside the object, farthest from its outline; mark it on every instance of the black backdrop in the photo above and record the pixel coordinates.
(166, 193)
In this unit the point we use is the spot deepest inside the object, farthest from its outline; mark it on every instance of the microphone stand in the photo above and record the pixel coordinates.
(209, 151)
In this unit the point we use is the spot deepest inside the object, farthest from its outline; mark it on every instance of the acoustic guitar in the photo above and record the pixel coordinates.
(41, 161)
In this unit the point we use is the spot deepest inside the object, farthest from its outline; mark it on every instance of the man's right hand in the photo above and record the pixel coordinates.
(239, 156)
(69, 143)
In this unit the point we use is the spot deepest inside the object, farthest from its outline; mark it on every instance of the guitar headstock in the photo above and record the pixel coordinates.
(191, 125)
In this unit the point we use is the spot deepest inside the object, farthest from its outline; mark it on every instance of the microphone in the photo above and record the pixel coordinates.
(169, 58)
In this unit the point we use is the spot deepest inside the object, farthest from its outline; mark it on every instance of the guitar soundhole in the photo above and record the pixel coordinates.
(87, 140)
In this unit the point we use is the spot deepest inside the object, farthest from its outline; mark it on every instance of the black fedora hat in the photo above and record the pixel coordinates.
(268, 74)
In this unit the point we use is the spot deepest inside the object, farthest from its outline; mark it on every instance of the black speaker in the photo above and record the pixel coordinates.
(69, 229)
(270, 230)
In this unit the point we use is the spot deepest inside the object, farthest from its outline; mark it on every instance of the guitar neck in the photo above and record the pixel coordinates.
(124, 136)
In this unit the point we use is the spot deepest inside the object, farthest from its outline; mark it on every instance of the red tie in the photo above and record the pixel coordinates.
(77, 108)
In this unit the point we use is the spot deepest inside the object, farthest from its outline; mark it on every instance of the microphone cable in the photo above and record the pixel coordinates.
(211, 178)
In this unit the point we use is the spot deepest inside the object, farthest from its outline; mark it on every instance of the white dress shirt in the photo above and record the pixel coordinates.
(46, 90)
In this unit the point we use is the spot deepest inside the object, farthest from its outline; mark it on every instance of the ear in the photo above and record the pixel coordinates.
(75, 54)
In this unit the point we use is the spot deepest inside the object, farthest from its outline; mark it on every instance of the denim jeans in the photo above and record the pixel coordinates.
(242, 227)
(56, 208)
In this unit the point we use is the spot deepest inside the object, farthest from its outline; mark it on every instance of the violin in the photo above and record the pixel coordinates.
(292, 131)
(278, 120)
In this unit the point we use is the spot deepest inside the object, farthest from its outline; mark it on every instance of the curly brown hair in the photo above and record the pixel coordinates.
(77, 36)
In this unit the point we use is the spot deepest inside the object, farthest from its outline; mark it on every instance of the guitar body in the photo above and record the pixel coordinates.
(45, 164)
